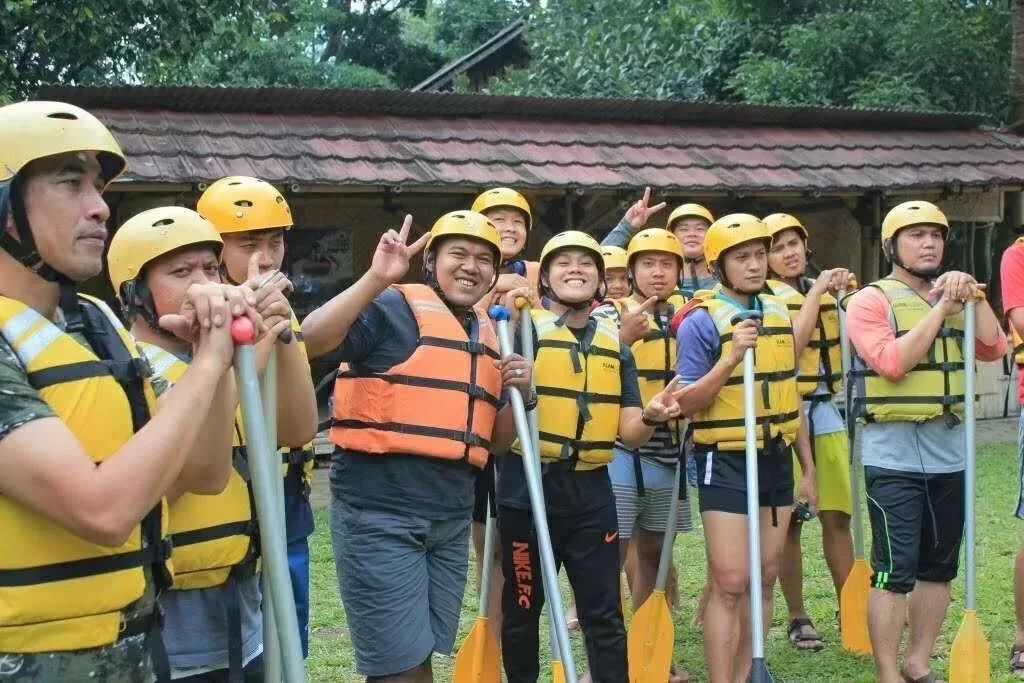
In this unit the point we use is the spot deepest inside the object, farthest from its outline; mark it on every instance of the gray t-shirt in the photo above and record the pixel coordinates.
(196, 626)
(931, 447)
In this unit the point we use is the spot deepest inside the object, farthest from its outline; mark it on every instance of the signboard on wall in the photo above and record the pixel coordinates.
(974, 207)
(319, 265)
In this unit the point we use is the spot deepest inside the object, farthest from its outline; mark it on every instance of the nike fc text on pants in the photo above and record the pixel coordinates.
(588, 546)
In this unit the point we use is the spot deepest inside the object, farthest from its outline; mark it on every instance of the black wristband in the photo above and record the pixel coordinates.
(531, 404)
(649, 422)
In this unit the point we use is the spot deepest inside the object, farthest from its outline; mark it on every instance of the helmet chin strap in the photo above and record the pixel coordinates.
(23, 249)
(894, 257)
(133, 291)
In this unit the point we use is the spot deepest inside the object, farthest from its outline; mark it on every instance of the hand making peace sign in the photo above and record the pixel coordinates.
(391, 259)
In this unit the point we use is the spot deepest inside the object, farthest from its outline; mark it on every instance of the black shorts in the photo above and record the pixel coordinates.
(917, 525)
(482, 488)
(721, 499)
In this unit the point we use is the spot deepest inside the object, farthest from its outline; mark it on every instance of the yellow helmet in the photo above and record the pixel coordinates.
(575, 239)
(688, 211)
(502, 197)
(654, 239)
(731, 231)
(467, 224)
(240, 204)
(913, 213)
(35, 130)
(152, 234)
(614, 257)
(777, 222)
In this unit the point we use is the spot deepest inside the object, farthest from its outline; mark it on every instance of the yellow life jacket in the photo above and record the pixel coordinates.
(211, 535)
(579, 386)
(59, 592)
(301, 459)
(934, 387)
(655, 355)
(820, 362)
(776, 397)
(1018, 347)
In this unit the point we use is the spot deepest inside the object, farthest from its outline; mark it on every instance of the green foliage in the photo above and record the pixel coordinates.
(911, 54)
(951, 55)
(100, 41)
(463, 25)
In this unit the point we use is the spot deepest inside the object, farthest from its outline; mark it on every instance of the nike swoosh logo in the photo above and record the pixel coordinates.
(608, 538)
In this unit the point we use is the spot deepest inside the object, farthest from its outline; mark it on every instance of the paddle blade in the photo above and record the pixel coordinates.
(557, 672)
(853, 609)
(477, 660)
(968, 658)
(650, 640)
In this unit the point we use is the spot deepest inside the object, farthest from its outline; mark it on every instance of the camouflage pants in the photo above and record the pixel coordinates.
(126, 661)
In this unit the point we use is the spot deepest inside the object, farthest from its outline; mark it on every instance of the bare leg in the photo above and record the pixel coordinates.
(928, 604)
(1018, 594)
(838, 546)
(648, 553)
(421, 674)
(886, 615)
(728, 577)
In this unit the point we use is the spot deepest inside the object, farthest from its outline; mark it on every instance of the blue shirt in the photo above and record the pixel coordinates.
(383, 335)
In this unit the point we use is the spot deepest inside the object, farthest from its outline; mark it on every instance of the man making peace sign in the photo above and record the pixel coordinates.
(414, 413)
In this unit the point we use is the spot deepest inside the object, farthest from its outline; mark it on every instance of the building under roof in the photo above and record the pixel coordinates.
(352, 162)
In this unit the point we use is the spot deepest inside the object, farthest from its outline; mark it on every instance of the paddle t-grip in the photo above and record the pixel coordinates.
(242, 330)
(747, 315)
(517, 267)
(499, 312)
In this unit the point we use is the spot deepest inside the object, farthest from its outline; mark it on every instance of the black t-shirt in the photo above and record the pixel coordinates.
(568, 492)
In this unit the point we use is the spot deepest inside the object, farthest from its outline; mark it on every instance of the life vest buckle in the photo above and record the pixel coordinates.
(476, 392)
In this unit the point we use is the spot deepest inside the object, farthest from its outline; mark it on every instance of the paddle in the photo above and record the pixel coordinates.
(264, 465)
(529, 353)
(651, 636)
(531, 467)
(758, 671)
(853, 598)
(968, 658)
(477, 660)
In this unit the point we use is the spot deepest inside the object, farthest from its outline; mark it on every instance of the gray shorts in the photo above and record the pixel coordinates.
(649, 511)
(401, 580)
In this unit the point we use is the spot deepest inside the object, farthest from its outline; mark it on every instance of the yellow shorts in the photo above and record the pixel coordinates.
(832, 465)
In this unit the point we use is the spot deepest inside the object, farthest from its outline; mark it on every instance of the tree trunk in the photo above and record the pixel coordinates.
(1017, 113)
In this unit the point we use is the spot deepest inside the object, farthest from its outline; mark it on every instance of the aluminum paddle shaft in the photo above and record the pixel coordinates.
(969, 472)
(531, 466)
(264, 466)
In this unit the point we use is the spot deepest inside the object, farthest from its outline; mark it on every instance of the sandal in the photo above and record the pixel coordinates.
(929, 677)
(798, 637)
(1017, 661)
(677, 674)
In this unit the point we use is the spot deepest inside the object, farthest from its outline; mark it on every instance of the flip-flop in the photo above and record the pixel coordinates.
(929, 677)
(797, 635)
(571, 622)
(1017, 661)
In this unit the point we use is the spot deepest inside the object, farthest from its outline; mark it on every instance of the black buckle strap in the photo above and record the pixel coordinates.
(211, 533)
(473, 347)
(122, 371)
(416, 430)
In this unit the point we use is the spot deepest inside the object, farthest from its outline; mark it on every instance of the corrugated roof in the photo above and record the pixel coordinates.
(472, 105)
(355, 147)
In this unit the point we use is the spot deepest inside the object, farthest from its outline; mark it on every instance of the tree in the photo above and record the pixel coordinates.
(462, 25)
(951, 55)
(1017, 115)
(100, 41)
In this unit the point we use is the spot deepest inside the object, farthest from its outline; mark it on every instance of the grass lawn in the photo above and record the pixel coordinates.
(331, 657)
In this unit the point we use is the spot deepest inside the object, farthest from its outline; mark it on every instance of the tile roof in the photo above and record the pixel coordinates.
(446, 145)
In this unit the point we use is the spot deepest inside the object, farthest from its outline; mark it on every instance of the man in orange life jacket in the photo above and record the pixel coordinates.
(86, 463)
(414, 416)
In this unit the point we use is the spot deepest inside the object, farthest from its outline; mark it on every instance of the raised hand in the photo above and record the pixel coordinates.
(664, 405)
(269, 292)
(639, 213)
(391, 259)
(634, 323)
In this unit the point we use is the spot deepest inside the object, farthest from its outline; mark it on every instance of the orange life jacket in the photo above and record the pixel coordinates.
(440, 403)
